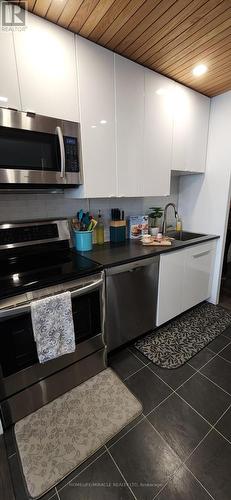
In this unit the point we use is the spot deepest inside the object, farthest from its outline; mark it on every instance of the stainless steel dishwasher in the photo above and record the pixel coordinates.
(131, 299)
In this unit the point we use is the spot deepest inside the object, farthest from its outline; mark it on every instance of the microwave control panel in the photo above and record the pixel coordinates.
(71, 154)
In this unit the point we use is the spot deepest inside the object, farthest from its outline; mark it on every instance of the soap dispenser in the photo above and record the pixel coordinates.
(100, 230)
(178, 224)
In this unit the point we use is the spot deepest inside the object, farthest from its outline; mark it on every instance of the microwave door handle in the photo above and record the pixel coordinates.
(62, 151)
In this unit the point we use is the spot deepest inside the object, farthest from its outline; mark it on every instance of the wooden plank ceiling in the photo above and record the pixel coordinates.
(168, 36)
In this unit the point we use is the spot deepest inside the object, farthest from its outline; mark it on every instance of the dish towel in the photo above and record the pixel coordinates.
(53, 326)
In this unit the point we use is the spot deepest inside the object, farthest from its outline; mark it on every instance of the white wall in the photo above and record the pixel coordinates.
(204, 199)
(29, 206)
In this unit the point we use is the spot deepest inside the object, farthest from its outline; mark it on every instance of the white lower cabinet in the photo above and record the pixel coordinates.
(185, 279)
(199, 260)
(170, 289)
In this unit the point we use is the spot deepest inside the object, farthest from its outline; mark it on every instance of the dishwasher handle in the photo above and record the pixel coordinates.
(132, 266)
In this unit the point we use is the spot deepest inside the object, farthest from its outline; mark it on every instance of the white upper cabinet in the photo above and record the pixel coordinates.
(129, 84)
(97, 112)
(46, 62)
(158, 127)
(190, 131)
(9, 89)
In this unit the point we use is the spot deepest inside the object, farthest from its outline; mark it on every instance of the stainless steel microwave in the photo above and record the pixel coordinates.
(38, 151)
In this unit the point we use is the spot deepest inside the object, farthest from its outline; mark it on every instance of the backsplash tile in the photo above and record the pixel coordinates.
(29, 206)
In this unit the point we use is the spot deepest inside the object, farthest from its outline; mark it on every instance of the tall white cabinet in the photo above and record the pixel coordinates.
(129, 84)
(97, 116)
(190, 131)
(158, 129)
(9, 88)
(46, 63)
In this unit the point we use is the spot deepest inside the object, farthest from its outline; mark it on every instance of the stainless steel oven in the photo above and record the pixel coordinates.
(25, 384)
(38, 151)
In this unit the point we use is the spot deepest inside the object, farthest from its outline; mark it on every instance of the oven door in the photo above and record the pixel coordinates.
(38, 150)
(19, 366)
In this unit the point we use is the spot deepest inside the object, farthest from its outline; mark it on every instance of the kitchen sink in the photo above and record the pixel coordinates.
(183, 235)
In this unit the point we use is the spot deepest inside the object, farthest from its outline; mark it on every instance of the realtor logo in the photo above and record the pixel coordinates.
(13, 16)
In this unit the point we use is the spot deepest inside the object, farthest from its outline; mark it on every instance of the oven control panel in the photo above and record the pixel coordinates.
(23, 234)
(71, 154)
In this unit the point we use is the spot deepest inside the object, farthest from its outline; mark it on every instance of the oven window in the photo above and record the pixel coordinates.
(26, 150)
(17, 345)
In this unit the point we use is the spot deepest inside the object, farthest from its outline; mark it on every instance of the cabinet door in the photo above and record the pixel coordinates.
(170, 291)
(9, 87)
(158, 125)
(190, 131)
(47, 69)
(130, 125)
(198, 274)
(97, 109)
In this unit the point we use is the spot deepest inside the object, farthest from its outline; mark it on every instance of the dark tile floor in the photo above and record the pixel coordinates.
(178, 449)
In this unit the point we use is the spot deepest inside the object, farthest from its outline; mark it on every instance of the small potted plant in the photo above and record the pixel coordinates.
(154, 218)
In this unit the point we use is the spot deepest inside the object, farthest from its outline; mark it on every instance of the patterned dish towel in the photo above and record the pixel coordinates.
(53, 326)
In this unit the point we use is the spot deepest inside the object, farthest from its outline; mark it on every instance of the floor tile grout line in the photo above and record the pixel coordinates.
(226, 336)
(135, 356)
(85, 468)
(129, 487)
(223, 348)
(196, 478)
(159, 404)
(183, 462)
(214, 383)
(57, 494)
(174, 391)
(166, 383)
(194, 409)
(197, 369)
(222, 435)
(137, 371)
(227, 360)
(227, 409)
(125, 434)
(212, 428)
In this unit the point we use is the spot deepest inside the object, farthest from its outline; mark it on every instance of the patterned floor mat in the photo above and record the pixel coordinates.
(175, 343)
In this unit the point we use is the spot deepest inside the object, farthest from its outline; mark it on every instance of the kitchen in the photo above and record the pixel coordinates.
(108, 108)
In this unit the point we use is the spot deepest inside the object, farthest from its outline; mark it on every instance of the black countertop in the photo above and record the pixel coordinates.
(113, 254)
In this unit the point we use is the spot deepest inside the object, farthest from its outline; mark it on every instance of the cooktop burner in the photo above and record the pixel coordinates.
(31, 264)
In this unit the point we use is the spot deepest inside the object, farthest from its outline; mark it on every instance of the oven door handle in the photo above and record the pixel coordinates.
(25, 308)
(87, 288)
(62, 151)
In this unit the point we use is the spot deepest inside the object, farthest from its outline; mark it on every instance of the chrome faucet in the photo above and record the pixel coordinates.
(164, 227)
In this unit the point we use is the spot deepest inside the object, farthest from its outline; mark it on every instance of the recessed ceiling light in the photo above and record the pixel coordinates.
(199, 70)
(103, 122)
(3, 99)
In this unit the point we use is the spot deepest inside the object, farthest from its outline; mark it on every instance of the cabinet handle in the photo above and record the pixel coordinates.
(201, 254)
(62, 151)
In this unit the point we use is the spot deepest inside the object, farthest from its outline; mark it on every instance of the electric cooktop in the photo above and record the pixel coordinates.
(27, 263)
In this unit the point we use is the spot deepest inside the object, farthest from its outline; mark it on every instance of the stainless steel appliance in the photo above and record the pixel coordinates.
(36, 261)
(38, 151)
(131, 300)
